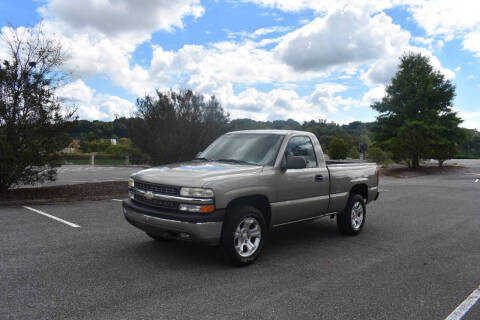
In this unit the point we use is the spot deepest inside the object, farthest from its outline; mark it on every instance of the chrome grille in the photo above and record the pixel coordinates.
(157, 202)
(157, 188)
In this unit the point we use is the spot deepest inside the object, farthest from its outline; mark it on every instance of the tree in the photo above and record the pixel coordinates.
(98, 145)
(338, 149)
(174, 126)
(354, 154)
(376, 155)
(33, 126)
(416, 118)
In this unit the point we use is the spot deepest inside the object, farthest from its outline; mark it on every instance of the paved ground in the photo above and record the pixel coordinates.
(417, 258)
(73, 174)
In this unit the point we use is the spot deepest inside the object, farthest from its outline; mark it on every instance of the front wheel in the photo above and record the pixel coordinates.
(351, 220)
(243, 235)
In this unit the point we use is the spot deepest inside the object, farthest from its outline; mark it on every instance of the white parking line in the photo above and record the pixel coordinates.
(466, 305)
(120, 200)
(53, 217)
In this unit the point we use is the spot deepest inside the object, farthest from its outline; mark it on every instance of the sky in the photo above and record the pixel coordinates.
(262, 59)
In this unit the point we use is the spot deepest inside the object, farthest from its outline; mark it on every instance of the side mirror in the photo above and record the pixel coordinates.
(294, 162)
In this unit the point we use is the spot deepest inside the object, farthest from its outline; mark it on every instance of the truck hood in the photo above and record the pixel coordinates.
(195, 173)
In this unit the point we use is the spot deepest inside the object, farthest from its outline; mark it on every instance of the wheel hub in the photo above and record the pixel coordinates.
(247, 237)
(357, 215)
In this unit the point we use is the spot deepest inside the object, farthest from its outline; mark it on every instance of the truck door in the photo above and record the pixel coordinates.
(301, 193)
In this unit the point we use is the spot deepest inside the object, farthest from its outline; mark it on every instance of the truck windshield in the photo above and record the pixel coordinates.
(244, 148)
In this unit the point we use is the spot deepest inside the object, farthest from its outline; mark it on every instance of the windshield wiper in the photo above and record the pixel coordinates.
(202, 159)
(236, 161)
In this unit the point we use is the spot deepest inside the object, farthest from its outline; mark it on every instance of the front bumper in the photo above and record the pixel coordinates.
(204, 228)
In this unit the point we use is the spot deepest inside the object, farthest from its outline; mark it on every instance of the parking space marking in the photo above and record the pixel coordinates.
(466, 305)
(120, 200)
(73, 225)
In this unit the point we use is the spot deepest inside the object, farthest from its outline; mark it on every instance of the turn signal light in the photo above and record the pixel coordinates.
(206, 209)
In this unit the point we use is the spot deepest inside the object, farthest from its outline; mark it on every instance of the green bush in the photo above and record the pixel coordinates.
(98, 145)
(354, 154)
(338, 149)
(466, 156)
(121, 149)
(377, 155)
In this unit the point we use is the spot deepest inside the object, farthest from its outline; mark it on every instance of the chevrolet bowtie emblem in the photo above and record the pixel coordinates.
(149, 195)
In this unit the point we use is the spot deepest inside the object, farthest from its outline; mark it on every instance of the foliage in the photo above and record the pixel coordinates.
(249, 124)
(99, 145)
(377, 155)
(119, 149)
(416, 119)
(352, 133)
(470, 147)
(354, 154)
(90, 130)
(465, 156)
(337, 149)
(175, 126)
(33, 126)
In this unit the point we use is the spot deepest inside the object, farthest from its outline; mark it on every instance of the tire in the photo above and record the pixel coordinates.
(157, 237)
(243, 235)
(351, 220)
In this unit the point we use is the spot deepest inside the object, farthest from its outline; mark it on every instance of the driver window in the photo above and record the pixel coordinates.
(302, 147)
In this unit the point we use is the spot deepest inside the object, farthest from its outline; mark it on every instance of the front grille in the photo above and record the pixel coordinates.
(157, 188)
(157, 202)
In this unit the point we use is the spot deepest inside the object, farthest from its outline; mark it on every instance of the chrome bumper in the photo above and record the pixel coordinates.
(206, 232)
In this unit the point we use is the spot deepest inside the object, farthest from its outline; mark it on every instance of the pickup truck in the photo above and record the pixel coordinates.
(244, 184)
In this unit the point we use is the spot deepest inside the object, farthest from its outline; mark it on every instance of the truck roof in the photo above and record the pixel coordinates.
(270, 131)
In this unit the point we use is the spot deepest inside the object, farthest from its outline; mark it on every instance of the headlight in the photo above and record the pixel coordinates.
(196, 208)
(196, 192)
(131, 183)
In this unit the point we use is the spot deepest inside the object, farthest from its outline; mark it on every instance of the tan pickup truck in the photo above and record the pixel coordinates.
(245, 183)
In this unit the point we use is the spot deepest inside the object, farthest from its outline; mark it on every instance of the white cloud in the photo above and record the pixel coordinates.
(373, 95)
(471, 120)
(275, 104)
(342, 37)
(100, 36)
(449, 19)
(472, 42)
(322, 6)
(122, 16)
(91, 105)
(214, 68)
(445, 17)
(422, 40)
(383, 69)
(324, 97)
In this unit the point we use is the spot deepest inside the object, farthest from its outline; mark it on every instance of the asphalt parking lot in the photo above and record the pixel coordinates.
(417, 258)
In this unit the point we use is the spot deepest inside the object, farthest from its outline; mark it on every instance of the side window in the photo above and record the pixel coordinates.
(302, 147)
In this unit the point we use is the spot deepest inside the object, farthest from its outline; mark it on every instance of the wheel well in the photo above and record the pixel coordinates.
(258, 201)
(360, 189)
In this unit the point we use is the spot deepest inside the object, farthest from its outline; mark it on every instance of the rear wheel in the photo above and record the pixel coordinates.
(243, 235)
(351, 220)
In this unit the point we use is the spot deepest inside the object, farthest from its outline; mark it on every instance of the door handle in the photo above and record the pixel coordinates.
(318, 177)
